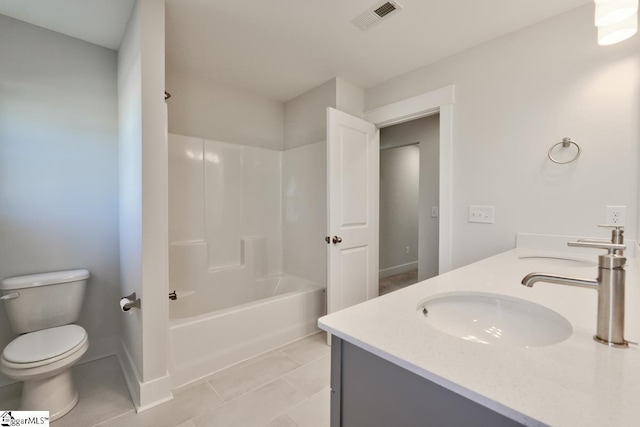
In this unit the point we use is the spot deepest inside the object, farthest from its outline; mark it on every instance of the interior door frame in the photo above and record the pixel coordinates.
(426, 104)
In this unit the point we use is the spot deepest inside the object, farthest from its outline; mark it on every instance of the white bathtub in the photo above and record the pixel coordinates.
(218, 326)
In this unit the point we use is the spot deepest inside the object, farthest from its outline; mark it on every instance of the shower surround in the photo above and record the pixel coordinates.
(240, 292)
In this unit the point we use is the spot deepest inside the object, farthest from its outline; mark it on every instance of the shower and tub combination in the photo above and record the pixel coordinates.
(246, 256)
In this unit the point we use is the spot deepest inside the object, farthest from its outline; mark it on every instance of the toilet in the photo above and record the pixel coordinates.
(42, 308)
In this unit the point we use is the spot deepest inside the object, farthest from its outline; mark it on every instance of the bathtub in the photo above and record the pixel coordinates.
(218, 326)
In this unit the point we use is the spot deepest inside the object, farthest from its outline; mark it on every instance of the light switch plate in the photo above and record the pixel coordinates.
(481, 214)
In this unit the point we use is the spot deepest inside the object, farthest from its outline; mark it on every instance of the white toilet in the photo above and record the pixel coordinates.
(42, 307)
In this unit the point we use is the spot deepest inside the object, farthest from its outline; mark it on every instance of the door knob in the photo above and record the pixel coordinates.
(336, 239)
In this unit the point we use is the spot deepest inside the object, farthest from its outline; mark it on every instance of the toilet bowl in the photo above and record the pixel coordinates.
(42, 308)
(42, 360)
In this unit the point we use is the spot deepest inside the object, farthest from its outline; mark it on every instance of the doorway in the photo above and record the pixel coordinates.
(409, 197)
(353, 149)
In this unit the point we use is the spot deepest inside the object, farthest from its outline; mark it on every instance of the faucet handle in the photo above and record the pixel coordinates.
(617, 227)
(617, 233)
(599, 245)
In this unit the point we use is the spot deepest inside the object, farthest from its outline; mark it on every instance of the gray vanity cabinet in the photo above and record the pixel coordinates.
(368, 391)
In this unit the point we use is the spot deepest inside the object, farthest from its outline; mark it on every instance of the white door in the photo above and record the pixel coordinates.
(353, 155)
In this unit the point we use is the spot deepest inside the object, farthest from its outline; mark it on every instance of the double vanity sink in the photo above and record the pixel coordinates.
(526, 354)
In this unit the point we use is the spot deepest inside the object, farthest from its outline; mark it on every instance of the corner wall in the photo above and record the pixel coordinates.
(143, 204)
(304, 174)
(59, 169)
(515, 97)
(304, 211)
(305, 116)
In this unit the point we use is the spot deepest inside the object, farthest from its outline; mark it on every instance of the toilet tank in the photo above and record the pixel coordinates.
(40, 301)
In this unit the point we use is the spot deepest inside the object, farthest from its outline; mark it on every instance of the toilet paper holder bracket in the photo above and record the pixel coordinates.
(133, 302)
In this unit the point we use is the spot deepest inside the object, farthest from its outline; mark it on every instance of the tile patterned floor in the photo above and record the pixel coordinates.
(286, 387)
(399, 281)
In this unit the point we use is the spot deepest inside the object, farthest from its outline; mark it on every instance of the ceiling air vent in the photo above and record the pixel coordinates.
(372, 16)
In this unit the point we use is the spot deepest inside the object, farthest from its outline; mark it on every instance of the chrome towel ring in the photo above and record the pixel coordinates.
(566, 143)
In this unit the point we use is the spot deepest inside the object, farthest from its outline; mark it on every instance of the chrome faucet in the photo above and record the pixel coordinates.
(617, 236)
(609, 284)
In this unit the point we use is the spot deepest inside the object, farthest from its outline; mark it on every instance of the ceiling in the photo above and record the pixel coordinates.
(281, 48)
(101, 22)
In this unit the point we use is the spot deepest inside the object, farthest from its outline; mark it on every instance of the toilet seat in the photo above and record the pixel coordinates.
(44, 347)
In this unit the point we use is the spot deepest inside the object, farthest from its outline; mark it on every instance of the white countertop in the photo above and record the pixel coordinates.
(577, 382)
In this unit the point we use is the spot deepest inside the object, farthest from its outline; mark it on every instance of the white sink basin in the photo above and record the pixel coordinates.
(494, 319)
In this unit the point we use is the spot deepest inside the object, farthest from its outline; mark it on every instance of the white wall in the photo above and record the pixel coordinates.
(188, 257)
(210, 109)
(305, 174)
(425, 131)
(219, 194)
(143, 203)
(59, 168)
(349, 98)
(515, 97)
(130, 153)
(305, 117)
(399, 193)
(304, 188)
(242, 199)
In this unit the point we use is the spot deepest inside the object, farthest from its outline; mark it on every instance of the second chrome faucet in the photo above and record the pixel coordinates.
(609, 284)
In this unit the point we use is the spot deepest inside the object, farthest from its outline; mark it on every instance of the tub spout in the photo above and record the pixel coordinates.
(530, 279)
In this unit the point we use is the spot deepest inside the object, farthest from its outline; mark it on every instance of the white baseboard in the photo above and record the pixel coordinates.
(145, 395)
(155, 392)
(398, 269)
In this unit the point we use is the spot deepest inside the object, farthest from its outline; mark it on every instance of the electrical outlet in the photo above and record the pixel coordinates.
(616, 215)
(406, 251)
(434, 212)
(482, 214)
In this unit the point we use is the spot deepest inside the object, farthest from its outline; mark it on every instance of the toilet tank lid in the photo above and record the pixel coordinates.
(43, 279)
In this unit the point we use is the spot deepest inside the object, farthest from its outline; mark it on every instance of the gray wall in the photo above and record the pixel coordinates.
(59, 168)
(425, 131)
(399, 179)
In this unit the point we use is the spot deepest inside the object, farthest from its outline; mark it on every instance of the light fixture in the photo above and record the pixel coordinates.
(617, 20)
(618, 32)
(610, 12)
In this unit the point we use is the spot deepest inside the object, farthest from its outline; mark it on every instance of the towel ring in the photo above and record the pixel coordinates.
(566, 142)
